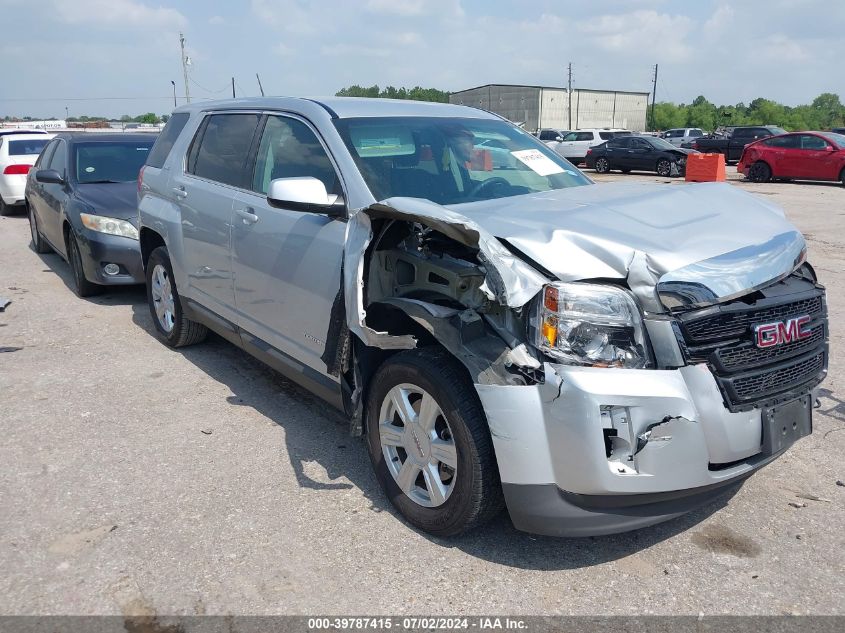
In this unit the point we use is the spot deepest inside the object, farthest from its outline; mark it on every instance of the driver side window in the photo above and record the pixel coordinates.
(290, 149)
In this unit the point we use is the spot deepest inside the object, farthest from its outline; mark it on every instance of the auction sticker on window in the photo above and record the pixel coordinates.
(543, 165)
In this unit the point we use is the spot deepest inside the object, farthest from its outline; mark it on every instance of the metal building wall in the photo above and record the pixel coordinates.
(520, 104)
(537, 108)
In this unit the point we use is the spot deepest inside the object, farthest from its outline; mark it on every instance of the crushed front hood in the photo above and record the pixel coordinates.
(711, 235)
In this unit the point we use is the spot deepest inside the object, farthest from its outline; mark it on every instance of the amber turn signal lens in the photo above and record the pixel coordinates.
(550, 331)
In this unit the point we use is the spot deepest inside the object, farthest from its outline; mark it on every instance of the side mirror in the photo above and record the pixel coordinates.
(305, 194)
(558, 138)
(829, 148)
(49, 177)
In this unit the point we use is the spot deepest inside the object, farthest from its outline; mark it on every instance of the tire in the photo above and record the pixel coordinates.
(468, 492)
(760, 172)
(602, 165)
(172, 326)
(842, 177)
(664, 168)
(81, 285)
(38, 243)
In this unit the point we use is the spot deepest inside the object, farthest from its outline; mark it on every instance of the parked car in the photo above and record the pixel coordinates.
(82, 203)
(732, 144)
(838, 130)
(15, 131)
(552, 138)
(681, 135)
(638, 153)
(603, 357)
(574, 145)
(18, 153)
(801, 156)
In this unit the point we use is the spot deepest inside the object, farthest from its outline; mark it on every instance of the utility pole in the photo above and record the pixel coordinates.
(174, 93)
(260, 87)
(569, 91)
(185, 68)
(233, 88)
(653, 98)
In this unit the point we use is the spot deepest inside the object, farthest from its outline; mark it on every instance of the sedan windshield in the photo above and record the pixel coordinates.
(659, 143)
(452, 160)
(110, 162)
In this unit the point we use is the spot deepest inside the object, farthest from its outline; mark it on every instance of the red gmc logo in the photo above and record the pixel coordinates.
(782, 332)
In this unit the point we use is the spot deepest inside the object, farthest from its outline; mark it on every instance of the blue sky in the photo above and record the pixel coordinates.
(113, 57)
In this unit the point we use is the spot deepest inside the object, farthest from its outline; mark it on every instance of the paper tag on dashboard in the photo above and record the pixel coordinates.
(542, 165)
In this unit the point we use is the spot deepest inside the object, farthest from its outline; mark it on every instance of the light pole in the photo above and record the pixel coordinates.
(66, 115)
(174, 92)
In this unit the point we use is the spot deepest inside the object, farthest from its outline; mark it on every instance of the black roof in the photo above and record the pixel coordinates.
(109, 137)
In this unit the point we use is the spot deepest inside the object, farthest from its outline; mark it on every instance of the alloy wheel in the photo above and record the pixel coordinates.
(162, 293)
(664, 168)
(602, 165)
(418, 445)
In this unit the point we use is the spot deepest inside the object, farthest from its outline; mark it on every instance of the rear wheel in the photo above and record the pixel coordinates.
(165, 305)
(760, 172)
(83, 287)
(38, 243)
(430, 444)
(602, 165)
(842, 177)
(664, 167)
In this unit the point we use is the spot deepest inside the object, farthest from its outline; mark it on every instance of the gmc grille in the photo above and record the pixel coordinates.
(723, 337)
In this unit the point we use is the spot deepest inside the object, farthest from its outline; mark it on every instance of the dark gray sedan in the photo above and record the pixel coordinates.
(81, 199)
(638, 153)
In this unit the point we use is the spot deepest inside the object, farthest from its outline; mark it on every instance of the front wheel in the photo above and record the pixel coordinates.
(602, 165)
(38, 243)
(430, 444)
(664, 167)
(81, 285)
(165, 305)
(760, 172)
(842, 177)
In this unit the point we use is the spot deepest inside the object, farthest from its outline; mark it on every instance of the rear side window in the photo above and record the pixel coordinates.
(790, 141)
(584, 136)
(605, 136)
(695, 133)
(164, 142)
(221, 153)
(620, 142)
(28, 147)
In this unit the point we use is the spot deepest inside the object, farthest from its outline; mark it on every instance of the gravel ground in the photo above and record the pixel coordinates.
(138, 480)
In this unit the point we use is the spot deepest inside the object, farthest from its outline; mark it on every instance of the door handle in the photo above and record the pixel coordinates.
(180, 192)
(247, 215)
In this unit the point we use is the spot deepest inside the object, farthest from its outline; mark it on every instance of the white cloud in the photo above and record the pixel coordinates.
(117, 12)
(216, 20)
(414, 8)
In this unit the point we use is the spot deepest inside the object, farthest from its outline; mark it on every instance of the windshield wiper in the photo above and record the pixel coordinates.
(99, 182)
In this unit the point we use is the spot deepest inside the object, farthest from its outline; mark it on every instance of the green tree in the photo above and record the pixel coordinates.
(149, 117)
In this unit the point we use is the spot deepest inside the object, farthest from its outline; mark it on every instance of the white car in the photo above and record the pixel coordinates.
(679, 136)
(18, 153)
(574, 145)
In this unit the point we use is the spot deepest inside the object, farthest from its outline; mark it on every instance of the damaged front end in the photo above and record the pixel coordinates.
(603, 418)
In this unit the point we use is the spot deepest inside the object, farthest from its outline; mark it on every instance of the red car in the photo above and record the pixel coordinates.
(801, 155)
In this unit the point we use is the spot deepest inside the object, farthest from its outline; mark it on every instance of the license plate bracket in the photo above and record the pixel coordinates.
(785, 423)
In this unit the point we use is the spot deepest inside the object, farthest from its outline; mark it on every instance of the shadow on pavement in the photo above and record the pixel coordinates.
(316, 432)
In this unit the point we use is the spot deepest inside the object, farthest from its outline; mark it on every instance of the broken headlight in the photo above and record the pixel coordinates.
(592, 325)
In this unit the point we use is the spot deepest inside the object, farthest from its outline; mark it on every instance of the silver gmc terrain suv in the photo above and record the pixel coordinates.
(597, 357)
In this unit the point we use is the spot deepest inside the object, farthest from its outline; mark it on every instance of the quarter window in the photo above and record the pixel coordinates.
(784, 142)
(59, 159)
(223, 149)
(164, 142)
(43, 161)
(289, 149)
(584, 136)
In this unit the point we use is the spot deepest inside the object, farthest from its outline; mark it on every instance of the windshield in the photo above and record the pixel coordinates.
(452, 160)
(659, 143)
(110, 162)
(28, 147)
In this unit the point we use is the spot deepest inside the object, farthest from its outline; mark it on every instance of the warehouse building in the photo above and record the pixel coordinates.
(536, 107)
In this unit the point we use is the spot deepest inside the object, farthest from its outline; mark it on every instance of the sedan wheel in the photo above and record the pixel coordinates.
(162, 296)
(602, 165)
(83, 287)
(38, 243)
(760, 172)
(664, 168)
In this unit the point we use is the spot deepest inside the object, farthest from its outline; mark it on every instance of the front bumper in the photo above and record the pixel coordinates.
(99, 249)
(551, 442)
